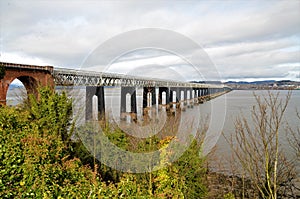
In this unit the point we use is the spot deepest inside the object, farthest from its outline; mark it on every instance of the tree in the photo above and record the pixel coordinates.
(192, 172)
(294, 138)
(293, 135)
(51, 112)
(36, 161)
(256, 146)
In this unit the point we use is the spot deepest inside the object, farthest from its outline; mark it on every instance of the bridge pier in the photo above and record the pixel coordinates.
(92, 91)
(206, 92)
(186, 96)
(165, 90)
(133, 107)
(182, 101)
(201, 95)
(196, 95)
(201, 92)
(177, 97)
(149, 100)
(190, 100)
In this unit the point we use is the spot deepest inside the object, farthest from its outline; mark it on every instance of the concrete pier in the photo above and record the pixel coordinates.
(92, 91)
(133, 106)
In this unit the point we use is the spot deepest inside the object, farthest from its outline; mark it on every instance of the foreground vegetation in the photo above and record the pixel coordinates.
(258, 155)
(40, 160)
(43, 157)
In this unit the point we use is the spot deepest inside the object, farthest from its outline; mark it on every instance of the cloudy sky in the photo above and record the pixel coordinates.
(246, 40)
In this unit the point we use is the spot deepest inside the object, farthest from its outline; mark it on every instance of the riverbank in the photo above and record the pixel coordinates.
(228, 186)
(222, 186)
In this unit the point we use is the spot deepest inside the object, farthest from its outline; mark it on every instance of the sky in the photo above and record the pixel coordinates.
(241, 40)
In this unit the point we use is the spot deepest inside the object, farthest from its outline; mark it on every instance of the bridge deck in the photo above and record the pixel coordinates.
(66, 77)
(26, 66)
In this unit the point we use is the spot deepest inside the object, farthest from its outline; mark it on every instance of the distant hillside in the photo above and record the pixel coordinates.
(266, 84)
(207, 82)
(16, 85)
(255, 82)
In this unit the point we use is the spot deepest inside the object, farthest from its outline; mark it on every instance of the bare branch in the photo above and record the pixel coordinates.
(255, 145)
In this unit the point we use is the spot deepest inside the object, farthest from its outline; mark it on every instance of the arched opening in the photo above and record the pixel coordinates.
(174, 96)
(19, 89)
(16, 93)
(174, 99)
(181, 95)
(188, 95)
(164, 98)
(95, 107)
(128, 103)
(149, 99)
(182, 99)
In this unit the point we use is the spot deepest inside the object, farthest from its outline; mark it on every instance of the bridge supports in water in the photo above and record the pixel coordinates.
(149, 96)
(169, 97)
(128, 91)
(166, 92)
(92, 91)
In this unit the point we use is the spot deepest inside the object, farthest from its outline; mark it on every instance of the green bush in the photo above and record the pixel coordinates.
(39, 159)
(35, 160)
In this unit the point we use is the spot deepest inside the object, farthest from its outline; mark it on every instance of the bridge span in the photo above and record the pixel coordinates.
(175, 92)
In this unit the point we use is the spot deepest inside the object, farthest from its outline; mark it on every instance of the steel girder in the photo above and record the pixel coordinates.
(70, 77)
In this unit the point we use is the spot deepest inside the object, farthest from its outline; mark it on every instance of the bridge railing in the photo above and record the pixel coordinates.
(25, 66)
(64, 76)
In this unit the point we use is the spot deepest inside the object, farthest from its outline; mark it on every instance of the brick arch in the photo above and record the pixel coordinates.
(31, 79)
(30, 84)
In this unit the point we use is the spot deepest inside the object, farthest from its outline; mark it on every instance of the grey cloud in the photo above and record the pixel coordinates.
(276, 20)
(251, 47)
(244, 38)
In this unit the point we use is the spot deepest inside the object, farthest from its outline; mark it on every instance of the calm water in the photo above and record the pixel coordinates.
(15, 96)
(239, 103)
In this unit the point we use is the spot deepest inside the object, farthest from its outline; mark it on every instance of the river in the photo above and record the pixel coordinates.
(240, 103)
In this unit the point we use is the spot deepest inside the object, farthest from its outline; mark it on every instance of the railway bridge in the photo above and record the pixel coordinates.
(95, 83)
